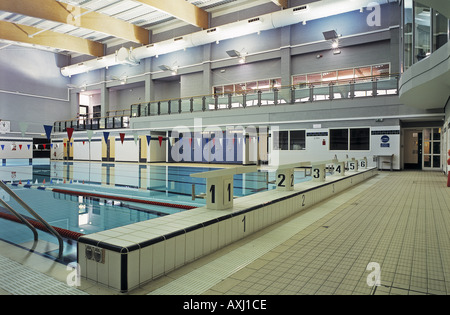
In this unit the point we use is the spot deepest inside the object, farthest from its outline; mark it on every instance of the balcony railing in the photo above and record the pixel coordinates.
(114, 120)
(294, 94)
(300, 93)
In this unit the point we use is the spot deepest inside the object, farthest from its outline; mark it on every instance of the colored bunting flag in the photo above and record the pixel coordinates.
(105, 136)
(48, 131)
(69, 132)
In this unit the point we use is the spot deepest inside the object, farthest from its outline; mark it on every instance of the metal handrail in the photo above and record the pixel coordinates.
(37, 216)
(20, 217)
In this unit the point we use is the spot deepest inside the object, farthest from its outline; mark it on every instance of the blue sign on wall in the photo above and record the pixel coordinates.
(385, 139)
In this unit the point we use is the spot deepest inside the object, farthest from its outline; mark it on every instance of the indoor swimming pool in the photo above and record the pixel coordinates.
(86, 198)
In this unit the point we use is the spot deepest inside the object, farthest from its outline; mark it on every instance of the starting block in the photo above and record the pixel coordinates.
(219, 186)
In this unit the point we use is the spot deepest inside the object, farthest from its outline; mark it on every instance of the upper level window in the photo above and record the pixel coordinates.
(342, 76)
(248, 87)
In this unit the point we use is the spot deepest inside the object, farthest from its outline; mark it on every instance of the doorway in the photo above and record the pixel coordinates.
(422, 149)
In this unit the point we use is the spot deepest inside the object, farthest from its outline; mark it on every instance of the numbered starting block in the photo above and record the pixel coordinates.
(353, 165)
(339, 168)
(362, 163)
(219, 186)
(318, 172)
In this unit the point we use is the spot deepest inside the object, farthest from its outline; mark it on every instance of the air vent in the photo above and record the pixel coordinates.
(255, 20)
(211, 30)
(178, 39)
(300, 9)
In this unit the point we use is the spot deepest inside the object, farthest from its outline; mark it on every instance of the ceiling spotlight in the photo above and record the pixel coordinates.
(234, 53)
(330, 35)
(173, 70)
(335, 44)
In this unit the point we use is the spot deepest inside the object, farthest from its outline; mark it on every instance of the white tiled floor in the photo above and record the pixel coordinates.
(400, 220)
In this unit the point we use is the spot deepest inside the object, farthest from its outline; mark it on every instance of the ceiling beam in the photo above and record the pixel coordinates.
(281, 3)
(181, 9)
(20, 33)
(68, 14)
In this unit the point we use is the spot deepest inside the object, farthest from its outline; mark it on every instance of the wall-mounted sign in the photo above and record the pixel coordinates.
(385, 142)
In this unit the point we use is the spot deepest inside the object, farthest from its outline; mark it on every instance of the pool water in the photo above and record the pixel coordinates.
(161, 183)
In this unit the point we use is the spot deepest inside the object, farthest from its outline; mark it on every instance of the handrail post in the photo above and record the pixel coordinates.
(34, 214)
(374, 87)
(330, 91)
(292, 94)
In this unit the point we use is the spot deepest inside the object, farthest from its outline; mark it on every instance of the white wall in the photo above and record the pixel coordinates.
(16, 148)
(317, 148)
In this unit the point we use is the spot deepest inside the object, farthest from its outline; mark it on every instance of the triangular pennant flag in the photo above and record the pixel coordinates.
(65, 144)
(148, 139)
(69, 133)
(160, 138)
(71, 143)
(20, 146)
(51, 145)
(3, 147)
(48, 130)
(106, 135)
(83, 142)
(89, 134)
(171, 140)
(28, 146)
(122, 136)
(199, 141)
(36, 146)
(190, 141)
(44, 146)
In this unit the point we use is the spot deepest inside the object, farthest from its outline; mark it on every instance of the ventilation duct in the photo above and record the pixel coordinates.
(265, 22)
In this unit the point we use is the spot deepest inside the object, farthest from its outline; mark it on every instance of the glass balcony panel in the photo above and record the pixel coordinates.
(197, 104)
(302, 95)
(321, 93)
(267, 98)
(251, 99)
(237, 101)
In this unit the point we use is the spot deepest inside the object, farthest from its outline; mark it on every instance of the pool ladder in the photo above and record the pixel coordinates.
(33, 213)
